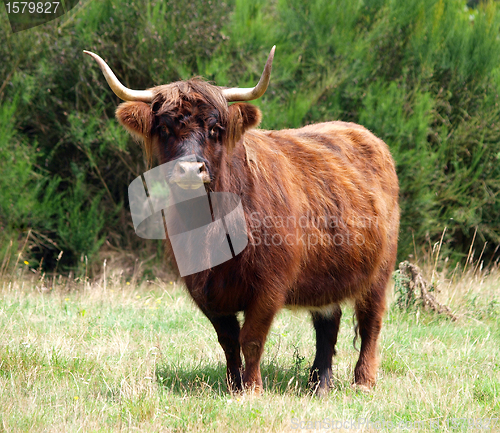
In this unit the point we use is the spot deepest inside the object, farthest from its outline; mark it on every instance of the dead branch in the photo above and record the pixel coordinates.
(417, 287)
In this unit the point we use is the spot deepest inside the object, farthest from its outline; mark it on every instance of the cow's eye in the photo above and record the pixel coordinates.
(215, 130)
(164, 130)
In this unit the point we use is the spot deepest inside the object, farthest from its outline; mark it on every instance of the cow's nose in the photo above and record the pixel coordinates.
(190, 174)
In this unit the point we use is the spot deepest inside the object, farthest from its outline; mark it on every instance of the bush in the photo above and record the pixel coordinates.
(422, 74)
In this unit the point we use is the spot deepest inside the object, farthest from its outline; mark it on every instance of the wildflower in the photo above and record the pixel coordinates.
(26, 262)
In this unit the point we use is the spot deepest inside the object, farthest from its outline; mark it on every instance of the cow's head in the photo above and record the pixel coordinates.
(186, 118)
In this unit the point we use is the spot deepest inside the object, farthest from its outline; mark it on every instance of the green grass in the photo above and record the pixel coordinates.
(80, 356)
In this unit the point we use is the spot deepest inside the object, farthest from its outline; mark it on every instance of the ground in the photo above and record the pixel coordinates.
(90, 356)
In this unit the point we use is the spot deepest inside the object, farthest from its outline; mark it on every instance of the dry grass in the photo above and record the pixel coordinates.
(112, 355)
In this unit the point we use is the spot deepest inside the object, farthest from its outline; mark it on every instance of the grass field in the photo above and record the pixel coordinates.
(113, 355)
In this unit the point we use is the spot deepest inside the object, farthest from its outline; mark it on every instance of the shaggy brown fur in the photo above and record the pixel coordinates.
(321, 206)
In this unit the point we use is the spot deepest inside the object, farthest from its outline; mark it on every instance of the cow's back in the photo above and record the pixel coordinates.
(325, 197)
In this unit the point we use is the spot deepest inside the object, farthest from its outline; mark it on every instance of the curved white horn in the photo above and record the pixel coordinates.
(120, 90)
(247, 94)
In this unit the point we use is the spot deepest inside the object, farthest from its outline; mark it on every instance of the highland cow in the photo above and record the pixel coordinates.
(321, 210)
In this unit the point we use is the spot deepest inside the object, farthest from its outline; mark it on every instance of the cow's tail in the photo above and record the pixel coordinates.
(355, 325)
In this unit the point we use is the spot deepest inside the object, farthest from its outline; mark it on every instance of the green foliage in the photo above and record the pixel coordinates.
(28, 198)
(80, 223)
(423, 75)
(15, 164)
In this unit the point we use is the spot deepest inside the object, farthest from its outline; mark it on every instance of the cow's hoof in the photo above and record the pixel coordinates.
(360, 387)
(321, 391)
(253, 390)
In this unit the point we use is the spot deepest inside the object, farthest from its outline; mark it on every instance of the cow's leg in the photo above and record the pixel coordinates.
(327, 328)
(369, 313)
(228, 332)
(258, 319)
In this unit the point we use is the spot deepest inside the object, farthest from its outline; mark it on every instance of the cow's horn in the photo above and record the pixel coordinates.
(239, 94)
(120, 90)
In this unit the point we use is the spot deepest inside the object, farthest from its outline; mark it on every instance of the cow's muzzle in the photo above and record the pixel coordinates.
(189, 174)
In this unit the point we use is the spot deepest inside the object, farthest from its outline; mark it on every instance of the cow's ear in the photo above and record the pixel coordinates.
(136, 118)
(241, 118)
(247, 115)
